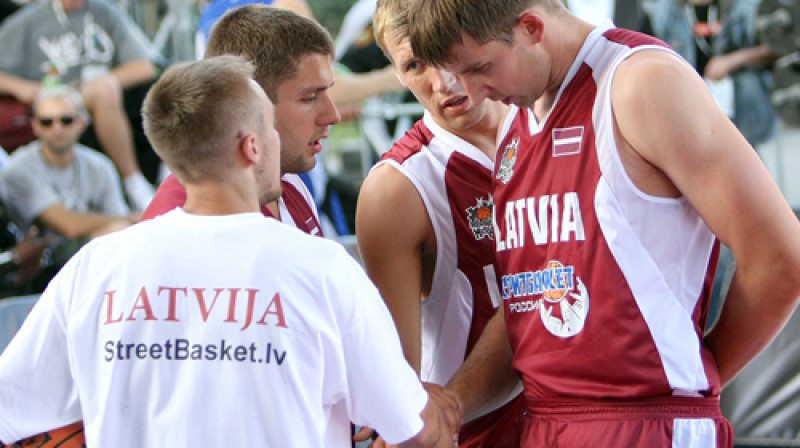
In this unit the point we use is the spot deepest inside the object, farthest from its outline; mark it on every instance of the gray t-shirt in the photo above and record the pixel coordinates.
(89, 184)
(81, 45)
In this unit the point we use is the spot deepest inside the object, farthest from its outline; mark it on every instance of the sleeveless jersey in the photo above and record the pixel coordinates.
(453, 178)
(606, 288)
(296, 204)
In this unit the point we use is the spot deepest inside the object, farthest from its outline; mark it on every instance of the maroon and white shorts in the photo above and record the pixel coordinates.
(668, 422)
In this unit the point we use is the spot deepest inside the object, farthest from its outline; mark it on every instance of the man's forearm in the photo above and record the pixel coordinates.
(487, 380)
(134, 72)
(20, 88)
(746, 325)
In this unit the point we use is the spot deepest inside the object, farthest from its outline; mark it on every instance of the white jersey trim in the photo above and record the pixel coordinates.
(666, 278)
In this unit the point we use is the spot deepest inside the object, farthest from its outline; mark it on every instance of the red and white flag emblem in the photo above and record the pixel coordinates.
(567, 141)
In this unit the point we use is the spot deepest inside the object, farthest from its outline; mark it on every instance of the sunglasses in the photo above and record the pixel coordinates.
(65, 120)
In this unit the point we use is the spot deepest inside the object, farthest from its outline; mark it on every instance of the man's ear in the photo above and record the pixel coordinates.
(532, 25)
(248, 148)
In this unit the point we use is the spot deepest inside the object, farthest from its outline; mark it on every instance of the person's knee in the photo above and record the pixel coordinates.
(102, 93)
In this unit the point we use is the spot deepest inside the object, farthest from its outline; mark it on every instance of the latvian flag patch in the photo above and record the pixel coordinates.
(567, 141)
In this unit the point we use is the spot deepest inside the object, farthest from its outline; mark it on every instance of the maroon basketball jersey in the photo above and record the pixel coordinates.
(605, 288)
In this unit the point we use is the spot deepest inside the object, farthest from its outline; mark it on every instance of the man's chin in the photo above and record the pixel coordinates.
(308, 164)
(271, 197)
(300, 166)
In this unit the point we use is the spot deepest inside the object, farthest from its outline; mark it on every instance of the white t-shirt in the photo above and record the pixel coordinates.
(210, 331)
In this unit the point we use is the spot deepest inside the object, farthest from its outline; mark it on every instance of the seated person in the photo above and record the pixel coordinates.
(71, 190)
(95, 46)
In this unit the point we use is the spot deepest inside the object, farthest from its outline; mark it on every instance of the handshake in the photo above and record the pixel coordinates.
(444, 410)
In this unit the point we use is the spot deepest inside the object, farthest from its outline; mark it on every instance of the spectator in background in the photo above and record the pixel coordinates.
(93, 45)
(70, 190)
(718, 38)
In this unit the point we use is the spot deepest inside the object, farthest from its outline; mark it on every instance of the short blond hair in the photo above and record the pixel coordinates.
(391, 16)
(197, 109)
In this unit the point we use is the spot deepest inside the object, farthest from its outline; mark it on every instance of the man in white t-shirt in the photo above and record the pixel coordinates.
(210, 325)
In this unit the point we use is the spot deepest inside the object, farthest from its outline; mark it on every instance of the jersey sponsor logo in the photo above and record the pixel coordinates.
(567, 141)
(555, 291)
(480, 218)
(164, 306)
(507, 162)
(547, 219)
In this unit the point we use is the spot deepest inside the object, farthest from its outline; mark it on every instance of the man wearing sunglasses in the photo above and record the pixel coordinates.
(95, 46)
(71, 190)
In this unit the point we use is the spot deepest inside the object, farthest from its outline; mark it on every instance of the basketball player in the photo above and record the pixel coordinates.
(615, 176)
(144, 352)
(296, 74)
(424, 225)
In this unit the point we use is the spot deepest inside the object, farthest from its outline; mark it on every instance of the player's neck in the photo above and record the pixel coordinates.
(483, 135)
(209, 198)
(565, 40)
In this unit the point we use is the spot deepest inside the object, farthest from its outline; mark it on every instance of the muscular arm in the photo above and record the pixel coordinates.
(675, 141)
(392, 228)
(486, 380)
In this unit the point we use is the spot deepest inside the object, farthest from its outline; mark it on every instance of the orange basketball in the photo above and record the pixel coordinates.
(484, 213)
(555, 294)
(70, 436)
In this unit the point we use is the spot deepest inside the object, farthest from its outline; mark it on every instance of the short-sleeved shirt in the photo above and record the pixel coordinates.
(209, 331)
(89, 184)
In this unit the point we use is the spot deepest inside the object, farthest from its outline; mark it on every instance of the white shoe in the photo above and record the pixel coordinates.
(138, 191)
